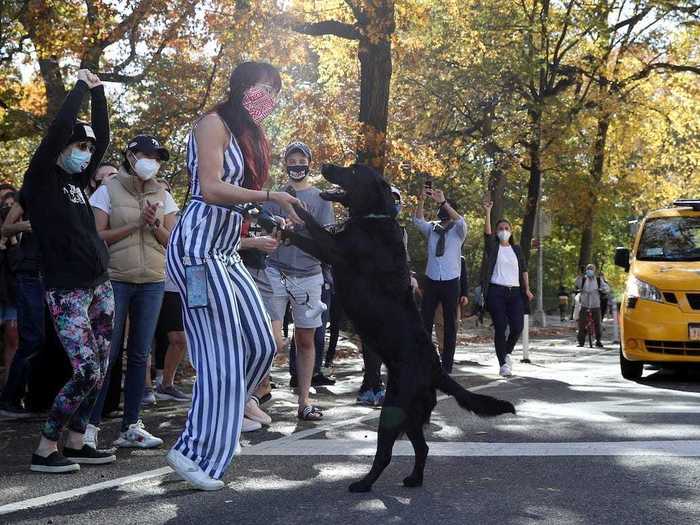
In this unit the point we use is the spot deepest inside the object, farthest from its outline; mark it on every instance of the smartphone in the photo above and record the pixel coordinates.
(196, 283)
(428, 184)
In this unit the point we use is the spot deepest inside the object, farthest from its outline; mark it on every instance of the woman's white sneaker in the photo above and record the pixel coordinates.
(250, 426)
(136, 436)
(190, 471)
(90, 436)
(254, 413)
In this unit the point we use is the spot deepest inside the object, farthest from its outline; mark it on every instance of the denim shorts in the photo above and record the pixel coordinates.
(304, 294)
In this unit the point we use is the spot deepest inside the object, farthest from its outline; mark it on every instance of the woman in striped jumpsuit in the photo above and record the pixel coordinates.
(229, 337)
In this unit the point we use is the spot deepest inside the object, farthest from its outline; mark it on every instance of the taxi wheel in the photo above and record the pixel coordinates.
(630, 369)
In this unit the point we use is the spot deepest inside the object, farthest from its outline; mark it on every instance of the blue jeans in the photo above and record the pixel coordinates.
(30, 325)
(141, 303)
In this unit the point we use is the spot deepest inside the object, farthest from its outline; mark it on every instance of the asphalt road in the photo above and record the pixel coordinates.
(585, 447)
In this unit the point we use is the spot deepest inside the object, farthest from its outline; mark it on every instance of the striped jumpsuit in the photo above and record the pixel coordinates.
(230, 341)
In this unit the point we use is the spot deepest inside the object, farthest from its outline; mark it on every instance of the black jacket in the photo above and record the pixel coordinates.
(491, 244)
(72, 253)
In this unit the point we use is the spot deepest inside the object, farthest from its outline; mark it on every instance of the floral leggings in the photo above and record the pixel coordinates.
(83, 320)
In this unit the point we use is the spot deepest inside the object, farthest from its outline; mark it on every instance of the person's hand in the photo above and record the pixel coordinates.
(529, 294)
(437, 195)
(414, 284)
(149, 213)
(287, 202)
(93, 80)
(83, 75)
(265, 244)
(463, 301)
(488, 204)
(25, 226)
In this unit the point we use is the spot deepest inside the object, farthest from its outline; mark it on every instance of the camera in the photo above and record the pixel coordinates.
(261, 219)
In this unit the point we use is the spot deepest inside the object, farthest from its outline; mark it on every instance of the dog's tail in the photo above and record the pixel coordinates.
(484, 406)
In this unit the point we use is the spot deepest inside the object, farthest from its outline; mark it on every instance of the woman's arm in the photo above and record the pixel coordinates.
(108, 235)
(212, 139)
(100, 125)
(162, 231)
(526, 280)
(12, 225)
(487, 218)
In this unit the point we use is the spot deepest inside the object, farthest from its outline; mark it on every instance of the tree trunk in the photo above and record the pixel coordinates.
(596, 176)
(374, 54)
(53, 83)
(533, 187)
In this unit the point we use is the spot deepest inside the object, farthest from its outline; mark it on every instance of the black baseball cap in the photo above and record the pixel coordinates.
(149, 145)
(82, 131)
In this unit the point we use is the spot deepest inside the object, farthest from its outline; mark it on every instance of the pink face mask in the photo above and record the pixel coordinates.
(258, 103)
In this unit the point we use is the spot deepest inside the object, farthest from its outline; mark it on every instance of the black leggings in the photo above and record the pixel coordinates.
(447, 294)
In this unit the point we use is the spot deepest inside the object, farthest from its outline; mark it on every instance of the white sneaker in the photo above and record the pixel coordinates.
(137, 437)
(190, 471)
(509, 362)
(505, 370)
(90, 437)
(253, 412)
(250, 426)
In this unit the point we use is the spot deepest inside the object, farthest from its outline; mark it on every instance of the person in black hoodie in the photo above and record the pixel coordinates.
(74, 266)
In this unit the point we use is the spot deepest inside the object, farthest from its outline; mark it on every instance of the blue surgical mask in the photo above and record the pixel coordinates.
(397, 207)
(590, 273)
(76, 161)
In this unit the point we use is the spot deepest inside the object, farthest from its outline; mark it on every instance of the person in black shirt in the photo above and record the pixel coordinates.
(74, 266)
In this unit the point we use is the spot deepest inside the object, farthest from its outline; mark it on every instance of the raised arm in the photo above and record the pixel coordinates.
(439, 197)
(487, 217)
(100, 125)
(60, 129)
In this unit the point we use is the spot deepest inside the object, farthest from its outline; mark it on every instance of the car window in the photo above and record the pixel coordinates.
(670, 239)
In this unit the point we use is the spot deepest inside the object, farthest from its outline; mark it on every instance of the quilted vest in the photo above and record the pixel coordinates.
(138, 258)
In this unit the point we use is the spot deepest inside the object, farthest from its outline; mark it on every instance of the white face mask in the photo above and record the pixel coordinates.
(503, 235)
(146, 169)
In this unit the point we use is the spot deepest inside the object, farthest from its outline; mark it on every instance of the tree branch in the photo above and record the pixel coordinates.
(327, 27)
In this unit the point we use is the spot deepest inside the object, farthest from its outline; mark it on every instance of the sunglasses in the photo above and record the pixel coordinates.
(85, 146)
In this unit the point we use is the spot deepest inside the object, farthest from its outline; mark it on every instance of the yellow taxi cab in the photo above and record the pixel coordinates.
(660, 313)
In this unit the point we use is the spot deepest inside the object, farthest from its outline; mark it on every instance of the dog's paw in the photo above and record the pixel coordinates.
(413, 481)
(360, 486)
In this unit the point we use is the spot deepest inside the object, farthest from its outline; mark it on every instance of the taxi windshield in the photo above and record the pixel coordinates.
(670, 239)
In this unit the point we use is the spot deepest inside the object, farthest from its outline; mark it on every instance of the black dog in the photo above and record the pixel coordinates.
(368, 261)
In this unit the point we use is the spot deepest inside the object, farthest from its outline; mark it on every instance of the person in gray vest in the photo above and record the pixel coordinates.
(134, 216)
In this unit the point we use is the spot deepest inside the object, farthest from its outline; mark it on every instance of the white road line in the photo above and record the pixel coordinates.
(81, 491)
(367, 447)
(286, 441)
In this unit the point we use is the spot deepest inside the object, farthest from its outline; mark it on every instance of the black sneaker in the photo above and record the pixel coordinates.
(293, 381)
(54, 463)
(13, 411)
(599, 344)
(321, 380)
(89, 456)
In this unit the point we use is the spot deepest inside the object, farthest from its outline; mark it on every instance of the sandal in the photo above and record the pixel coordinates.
(264, 399)
(310, 413)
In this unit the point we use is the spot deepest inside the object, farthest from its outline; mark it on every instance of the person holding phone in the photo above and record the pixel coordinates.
(506, 287)
(445, 239)
(74, 269)
(134, 216)
(229, 334)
